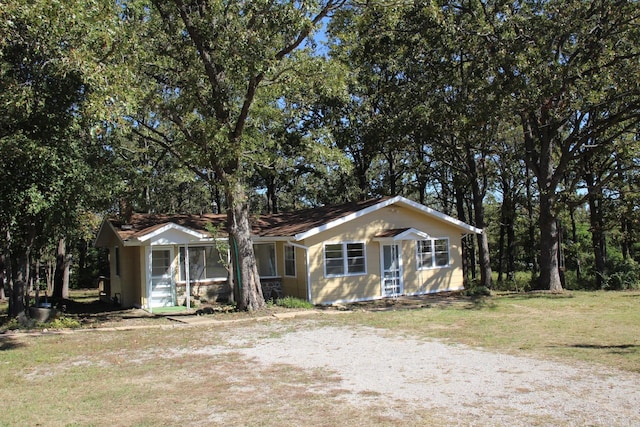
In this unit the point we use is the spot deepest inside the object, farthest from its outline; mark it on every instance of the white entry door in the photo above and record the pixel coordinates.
(391, 271)
(162, 286)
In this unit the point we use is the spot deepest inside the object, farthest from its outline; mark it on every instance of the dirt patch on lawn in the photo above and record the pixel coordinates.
(442, 299)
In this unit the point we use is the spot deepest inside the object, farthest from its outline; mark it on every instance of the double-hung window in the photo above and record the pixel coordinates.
(289, 261)
(344, 259)
(117, 255)
(432, 253)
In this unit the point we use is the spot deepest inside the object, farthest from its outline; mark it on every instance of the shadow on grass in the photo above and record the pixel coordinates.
(10, 344)
(481, 303)
(618, 349)
(536, 295)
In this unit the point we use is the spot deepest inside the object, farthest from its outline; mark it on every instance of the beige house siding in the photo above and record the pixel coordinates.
(432, 279)
(364, 229)
(128, 288)
(293, 286)
(115, 279)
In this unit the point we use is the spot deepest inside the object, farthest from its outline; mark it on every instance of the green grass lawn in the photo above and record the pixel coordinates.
(598, 327)
(171, 376)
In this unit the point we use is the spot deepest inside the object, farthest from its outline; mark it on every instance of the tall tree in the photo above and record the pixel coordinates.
(567, 66)
(210, 62)
(53, 87)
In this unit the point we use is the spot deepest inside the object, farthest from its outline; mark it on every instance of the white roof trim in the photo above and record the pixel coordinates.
(171, 226)
(383, 204)
(451, 220)
(410, 234)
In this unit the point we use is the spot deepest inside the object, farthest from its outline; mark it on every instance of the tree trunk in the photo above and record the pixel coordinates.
(574, 237)
(272, 197)
(597, 238)
(50, 274)
(465, 245)
(596, 221)
(17, 284)
(246, 279)
(531, 228)
(511, 241)
(478, 210)
(2, 276)
(501, 239)
(473, 263)
(61, 276)
(549, 266)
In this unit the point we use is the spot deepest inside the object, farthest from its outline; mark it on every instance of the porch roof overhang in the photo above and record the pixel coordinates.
(398, 234)
(168, 233)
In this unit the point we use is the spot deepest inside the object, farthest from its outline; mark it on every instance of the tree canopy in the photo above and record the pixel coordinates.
(518, 117)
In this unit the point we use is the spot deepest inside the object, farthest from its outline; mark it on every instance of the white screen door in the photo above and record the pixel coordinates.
(162, 289)
(391, 271)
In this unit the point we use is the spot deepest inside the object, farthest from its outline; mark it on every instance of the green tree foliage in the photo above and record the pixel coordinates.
(53, 58)
(206, 65)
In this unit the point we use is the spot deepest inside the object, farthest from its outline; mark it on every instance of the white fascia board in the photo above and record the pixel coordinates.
(171, 226)
(451, 220)
(269, 239)
(383, 204)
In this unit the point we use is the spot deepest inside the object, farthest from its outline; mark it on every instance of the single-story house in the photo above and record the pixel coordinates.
(357, 251)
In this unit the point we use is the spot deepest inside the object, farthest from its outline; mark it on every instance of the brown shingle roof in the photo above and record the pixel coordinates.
(292, 223)
(142, 224)
(272, 225)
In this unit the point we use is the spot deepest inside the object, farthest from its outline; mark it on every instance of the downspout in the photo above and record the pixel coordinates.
(306, 254)
(148, 252)
(186, 274)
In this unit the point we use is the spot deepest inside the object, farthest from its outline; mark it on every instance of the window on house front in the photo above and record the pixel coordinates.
(204, 264)
(343, 259)
(266, 259)
(289, 261)
(433, 253)
(117, 256)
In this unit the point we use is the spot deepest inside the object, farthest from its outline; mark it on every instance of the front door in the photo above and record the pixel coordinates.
(391, 271)
(162, 287)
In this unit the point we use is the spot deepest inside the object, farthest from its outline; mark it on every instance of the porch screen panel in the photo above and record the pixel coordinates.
(214, 263)
(204, 264)
(266, 259)
(196, 264)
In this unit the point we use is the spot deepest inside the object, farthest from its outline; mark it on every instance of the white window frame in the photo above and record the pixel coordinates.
(292, 251)
(275, 259)
(182, 273)
(345, 258)
(433, 253)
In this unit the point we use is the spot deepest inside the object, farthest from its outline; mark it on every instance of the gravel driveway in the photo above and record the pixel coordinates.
(463, 385)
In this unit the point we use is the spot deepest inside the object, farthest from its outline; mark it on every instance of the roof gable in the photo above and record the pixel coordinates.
(297, 225)
(376, 204)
